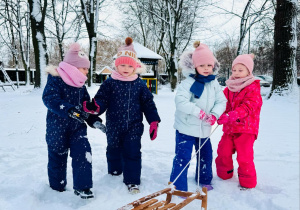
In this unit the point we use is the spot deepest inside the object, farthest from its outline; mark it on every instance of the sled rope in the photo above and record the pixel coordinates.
(194, 157)
(198, 169)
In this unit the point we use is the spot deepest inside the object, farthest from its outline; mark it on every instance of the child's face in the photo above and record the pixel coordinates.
(239, 71)
(125, 70)
(85, 71)
(205, 69)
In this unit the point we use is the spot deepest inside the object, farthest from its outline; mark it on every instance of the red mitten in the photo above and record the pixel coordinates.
(211, 119)
(223, 119)
(91, 107)
(233, 116)
(202, 115)
(153, 130)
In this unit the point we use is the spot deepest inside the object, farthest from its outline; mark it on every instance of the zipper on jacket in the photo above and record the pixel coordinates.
(128, 104)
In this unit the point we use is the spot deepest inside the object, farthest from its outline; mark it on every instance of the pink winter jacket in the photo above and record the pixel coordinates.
(247, 104)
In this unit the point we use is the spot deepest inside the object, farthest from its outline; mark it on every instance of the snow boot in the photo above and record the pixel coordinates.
(84, 194)
(59, 190)
(133, 188)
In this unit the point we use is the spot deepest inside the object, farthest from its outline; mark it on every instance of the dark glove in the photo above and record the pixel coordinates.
(95, 122)
(77, 114)
(153, 130)
(91, 107)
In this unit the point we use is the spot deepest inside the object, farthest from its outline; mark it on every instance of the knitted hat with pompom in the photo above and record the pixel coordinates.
(126, 54)
(246, 60)
(76, 57)
(202, 55)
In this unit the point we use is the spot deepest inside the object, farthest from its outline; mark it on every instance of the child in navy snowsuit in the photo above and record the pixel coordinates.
(199, 102)
(66, 129)
(125, 98)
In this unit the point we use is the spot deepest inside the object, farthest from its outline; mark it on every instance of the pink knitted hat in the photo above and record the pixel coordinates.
(246, 60)
(126, 54)
(76, 57)
(202, 55)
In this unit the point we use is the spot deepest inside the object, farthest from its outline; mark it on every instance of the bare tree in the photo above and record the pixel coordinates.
(285, 44)
(24, 42)
(37, 19)
(65, 16)
(90, 9)
(167, 26)
(225, 53)
(14, 20)
(10, 26)
(298, 43)
(251, 15)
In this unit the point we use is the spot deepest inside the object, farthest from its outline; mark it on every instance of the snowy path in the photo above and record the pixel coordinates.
(23, 160)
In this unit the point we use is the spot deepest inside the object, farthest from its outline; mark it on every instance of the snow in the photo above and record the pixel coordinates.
(144, 52)
(23, 158)
(36, 11)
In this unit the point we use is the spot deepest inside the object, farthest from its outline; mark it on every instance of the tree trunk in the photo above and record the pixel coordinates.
(38, 39)
(58, 34)
(172, 67)
(285, 42)
(92, 57)
(91, 21)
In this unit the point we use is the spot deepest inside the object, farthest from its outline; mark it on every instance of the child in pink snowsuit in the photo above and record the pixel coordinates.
(240, 122)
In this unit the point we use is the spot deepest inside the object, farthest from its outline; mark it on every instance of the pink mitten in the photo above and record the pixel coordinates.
(202, 115)
(223, 119)
(91, 107)
(233, 116)
(153, 130)
(211, 119)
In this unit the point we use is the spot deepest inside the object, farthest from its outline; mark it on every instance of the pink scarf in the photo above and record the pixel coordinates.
(71, 75)
(236, 85)
(117, 76)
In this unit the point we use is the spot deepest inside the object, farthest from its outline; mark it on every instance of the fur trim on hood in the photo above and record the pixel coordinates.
(186, 63)
(50, 69)
(141, 69)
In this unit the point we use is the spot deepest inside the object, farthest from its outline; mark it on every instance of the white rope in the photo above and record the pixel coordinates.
(194, 156)
(198, 169)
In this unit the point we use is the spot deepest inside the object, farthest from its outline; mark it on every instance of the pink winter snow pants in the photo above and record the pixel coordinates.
(242, 143)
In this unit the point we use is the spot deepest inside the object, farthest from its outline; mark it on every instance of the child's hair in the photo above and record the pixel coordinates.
(246, 60)
(76, 57)
(126, 54)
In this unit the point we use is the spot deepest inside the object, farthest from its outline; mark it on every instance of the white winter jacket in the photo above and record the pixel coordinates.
(212, 101)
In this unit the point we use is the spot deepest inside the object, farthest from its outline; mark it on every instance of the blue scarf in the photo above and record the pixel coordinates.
(198, 86)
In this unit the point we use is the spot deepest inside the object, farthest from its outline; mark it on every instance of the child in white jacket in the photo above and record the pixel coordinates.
(199, 103)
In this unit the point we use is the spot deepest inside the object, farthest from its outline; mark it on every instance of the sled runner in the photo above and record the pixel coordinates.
(150, 203)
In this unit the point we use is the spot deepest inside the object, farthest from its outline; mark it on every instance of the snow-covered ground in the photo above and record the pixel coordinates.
(23, 159)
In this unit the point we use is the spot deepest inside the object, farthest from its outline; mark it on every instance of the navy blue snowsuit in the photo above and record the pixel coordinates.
(124, 103)
(64, 133)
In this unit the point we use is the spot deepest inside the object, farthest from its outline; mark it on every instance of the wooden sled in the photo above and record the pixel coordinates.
(149, 203)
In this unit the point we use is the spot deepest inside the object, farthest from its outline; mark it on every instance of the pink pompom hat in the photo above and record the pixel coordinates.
(126, 54)
(246, 60)
(76, 57)
(202, 55)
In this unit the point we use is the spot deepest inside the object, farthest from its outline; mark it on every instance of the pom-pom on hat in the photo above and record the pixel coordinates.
(246, 60)
(202, 55)
(126, 54)
(76, 57)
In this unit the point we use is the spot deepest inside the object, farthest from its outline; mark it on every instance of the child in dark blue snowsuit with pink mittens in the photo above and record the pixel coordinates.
(125, 98)
(66, 129)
